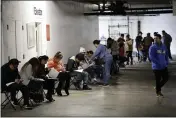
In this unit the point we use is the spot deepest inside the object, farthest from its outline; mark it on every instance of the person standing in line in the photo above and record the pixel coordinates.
(105, 57)
(138, 43)
(129, 49)
(113, 45)
(148, 40)
(159, 58)
(167, 39)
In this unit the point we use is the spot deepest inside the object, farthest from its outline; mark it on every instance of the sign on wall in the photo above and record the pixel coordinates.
(48, 32)
(37, 11)
(174, 7)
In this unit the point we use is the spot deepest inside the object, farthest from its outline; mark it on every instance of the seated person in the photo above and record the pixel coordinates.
(63, 76)
(10, 74)
(29, 74)
(72, 65)
(42, 73)
(98, 69)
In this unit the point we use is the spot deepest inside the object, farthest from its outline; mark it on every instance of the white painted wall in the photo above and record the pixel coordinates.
(165, 22)
(150, 24)
(69, 28)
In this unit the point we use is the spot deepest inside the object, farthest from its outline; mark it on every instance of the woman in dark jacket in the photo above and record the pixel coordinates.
(42, 72)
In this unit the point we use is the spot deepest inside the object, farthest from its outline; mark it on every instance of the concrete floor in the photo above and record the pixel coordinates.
(131, 94)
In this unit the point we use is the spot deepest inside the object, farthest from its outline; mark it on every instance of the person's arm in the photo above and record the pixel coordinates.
(50, 64)
(29, 73)
(152, 54)
(97, 52)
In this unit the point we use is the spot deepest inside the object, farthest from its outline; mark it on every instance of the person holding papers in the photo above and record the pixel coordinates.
(12, 82)
(72, 66)
(58, 71)
(105, 58)
(29, 74)
(42, 73)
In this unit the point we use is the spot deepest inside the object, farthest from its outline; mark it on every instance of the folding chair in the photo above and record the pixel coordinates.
(7, 100)
(73, 79)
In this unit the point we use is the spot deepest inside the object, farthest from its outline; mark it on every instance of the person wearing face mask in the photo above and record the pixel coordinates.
(105, 59)
(10, 74)
(159, 57)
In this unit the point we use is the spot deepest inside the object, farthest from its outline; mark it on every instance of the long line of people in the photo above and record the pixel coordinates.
(89, 67)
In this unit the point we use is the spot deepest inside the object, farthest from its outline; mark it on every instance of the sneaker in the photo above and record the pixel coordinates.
(27, 107)
(160, 94)
(85, 87)
(67, 92)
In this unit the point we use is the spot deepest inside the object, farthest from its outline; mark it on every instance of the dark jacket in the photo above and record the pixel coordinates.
(138, 41)
(72, 64)
(8, 75)
(42, 71)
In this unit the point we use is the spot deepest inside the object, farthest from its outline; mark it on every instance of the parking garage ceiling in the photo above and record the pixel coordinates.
(129, 7)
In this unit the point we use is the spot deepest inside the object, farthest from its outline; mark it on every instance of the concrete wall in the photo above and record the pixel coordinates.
(69, 29)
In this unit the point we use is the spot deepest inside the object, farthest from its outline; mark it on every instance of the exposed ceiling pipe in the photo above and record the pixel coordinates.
(132, 13)
(148, 8)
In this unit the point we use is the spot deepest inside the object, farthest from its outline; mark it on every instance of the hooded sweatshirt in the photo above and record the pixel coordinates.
(159, 56)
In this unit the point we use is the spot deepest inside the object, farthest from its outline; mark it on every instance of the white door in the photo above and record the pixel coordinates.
(9, 41)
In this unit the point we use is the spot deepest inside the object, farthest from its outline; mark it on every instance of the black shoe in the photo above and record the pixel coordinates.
(159, 94)
(28, 107)
(59, 93)
(85, 87)
(105, 85)
(67, 92)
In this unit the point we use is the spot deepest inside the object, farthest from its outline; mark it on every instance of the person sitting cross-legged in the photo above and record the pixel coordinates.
(10, 74)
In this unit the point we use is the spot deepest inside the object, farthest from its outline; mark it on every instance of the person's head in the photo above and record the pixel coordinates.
(43, 59)
(140, 33)
(96, 43)
(82, 50)
(148, 34)
(164, 33)
(79, 57)
(89, 53)
(109, 42)
(34, 62)
(58, 56)
(13, 64)
(155, 33)
(122, 36)
(157, 38)
(127, 36)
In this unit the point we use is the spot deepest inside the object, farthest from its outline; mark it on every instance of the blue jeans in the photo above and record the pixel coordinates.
(107, 69)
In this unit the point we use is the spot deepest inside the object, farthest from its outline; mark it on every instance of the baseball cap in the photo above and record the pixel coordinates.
(14, 62)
